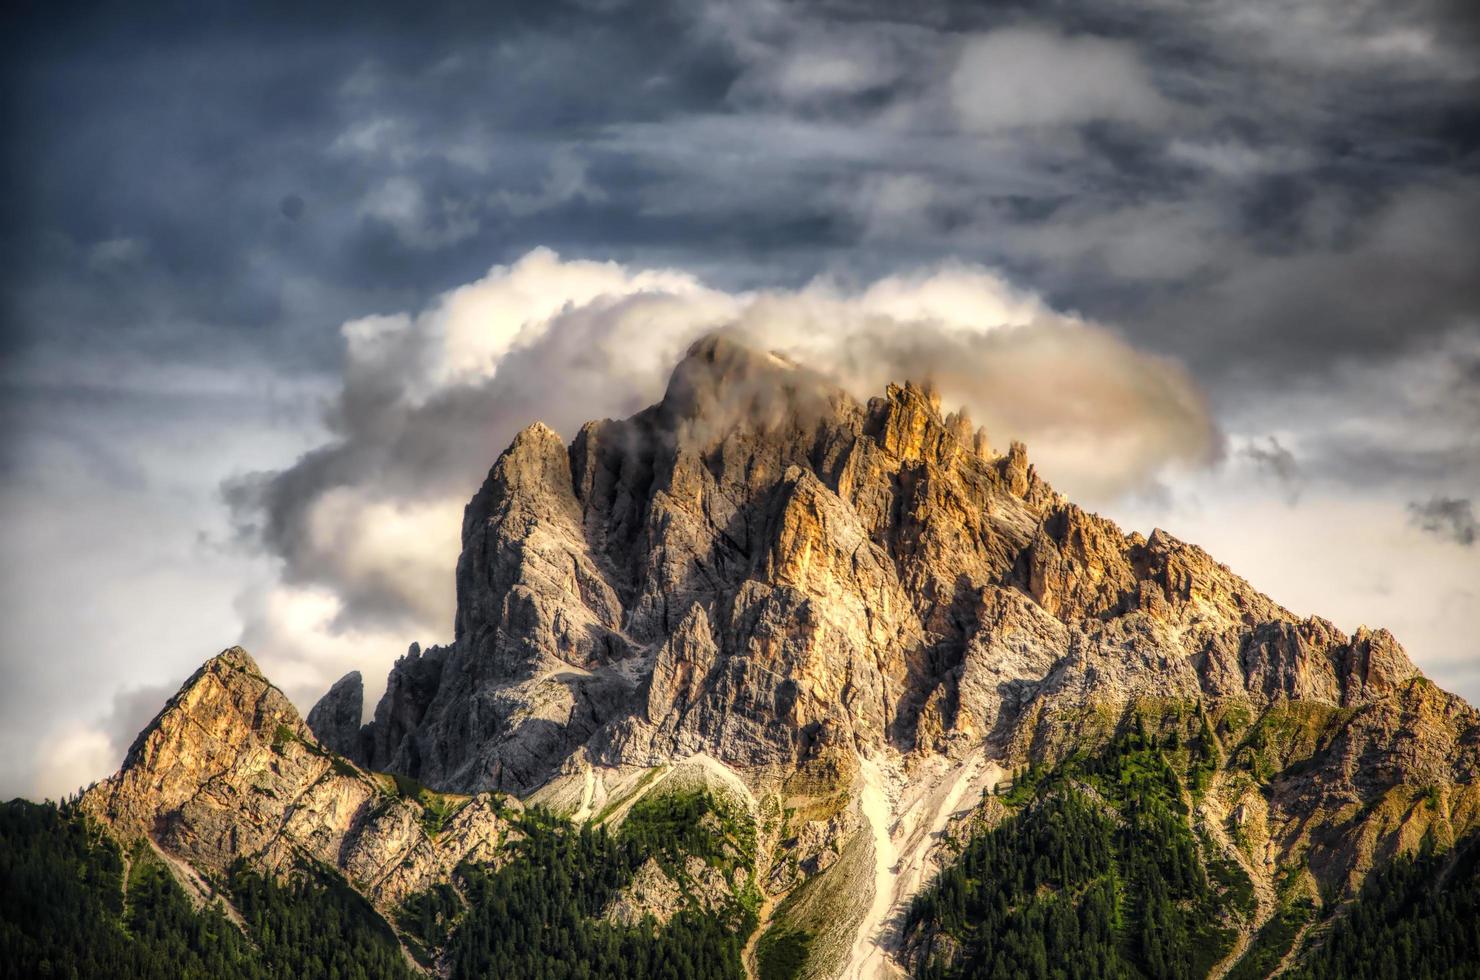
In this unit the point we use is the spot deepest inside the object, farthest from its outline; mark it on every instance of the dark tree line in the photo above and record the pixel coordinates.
(540, 916)
(1097, 875)
(64, 912)
(1416, 919)
(313, 924)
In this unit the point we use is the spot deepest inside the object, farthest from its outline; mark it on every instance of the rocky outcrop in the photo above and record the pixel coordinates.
(335, 719)
(650, 895)
(654, 894)
(228, 770)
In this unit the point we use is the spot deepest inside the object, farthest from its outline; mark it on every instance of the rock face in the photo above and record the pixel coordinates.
(335, 720)
(229, 770)
(762, 569)
(758, 566)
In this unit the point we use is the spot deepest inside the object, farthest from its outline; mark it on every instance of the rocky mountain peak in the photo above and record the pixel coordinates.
(335, 719)
(229, 770)
(758, 498)
(217, 718)
(855, 617)
(761, 568)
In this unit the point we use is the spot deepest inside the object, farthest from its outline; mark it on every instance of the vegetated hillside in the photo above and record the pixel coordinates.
(74, 905)
(1099, 866)
(1095, 870)
(766, 679)
(1094, 867)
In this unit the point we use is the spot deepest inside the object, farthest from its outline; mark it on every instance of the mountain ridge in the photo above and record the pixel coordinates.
(859, 614)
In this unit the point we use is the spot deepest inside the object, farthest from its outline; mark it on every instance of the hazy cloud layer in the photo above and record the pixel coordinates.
(1279, 464)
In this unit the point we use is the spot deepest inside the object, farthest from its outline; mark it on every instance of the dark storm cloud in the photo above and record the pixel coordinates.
(186, 131)
(1263, 195)
(1398, 424)
(748, 140)
(1448, 517)
(1266, 197)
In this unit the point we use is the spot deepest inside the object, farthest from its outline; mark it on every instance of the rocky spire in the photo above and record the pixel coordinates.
(335, 719)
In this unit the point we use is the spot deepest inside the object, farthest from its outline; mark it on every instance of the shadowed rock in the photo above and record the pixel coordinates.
(335, 719)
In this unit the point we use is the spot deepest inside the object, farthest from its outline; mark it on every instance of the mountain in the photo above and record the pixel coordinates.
(767, 681)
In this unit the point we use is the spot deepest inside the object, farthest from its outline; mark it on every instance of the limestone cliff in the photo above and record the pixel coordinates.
(335, 719)
(761, 568)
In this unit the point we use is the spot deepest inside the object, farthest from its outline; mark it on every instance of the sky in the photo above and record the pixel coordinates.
(278, 285)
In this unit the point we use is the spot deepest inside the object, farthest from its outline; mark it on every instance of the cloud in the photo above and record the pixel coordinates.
(565, 181)
(1277, 462)
(1100, 416)
(1387, 40)
(71, 759)
(366, 526)
(116, 254)
(1237, 160)
(1026, 77)
(133, 709)
(1448, 517)
(422, 223)
(77, 753)
(797, 62)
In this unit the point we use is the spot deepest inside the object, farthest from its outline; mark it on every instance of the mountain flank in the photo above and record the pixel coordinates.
(766, 681)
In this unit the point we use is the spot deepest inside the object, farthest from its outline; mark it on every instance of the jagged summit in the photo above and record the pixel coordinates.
(753, 496)
(763, 569)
